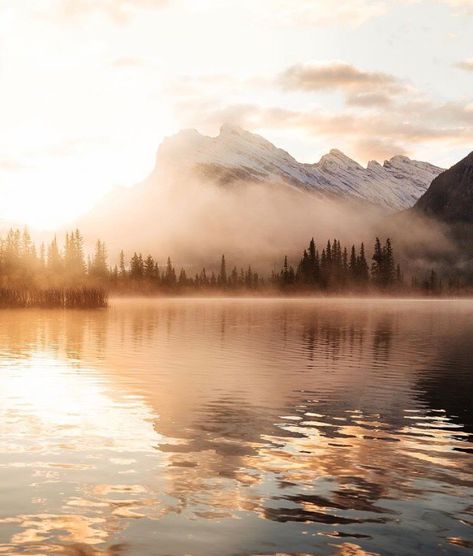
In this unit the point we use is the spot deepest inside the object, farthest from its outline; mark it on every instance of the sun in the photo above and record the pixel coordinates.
(40, 208)
(49, 197)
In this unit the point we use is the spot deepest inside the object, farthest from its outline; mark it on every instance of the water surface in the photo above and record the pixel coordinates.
(238, 427)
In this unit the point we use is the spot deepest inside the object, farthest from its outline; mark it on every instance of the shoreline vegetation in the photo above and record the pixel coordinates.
(54, 276)
(62, 298)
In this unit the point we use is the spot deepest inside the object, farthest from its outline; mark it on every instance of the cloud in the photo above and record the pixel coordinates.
(377, 148)
(363, 88)
(128, 62)
(461, 6)
(466, 64)
(336, 74)
(381, 116)
(11, 164)
(325, 12)
(188, 87)
(298, 13)
(369, 99)
(116, 10)
(373, 134)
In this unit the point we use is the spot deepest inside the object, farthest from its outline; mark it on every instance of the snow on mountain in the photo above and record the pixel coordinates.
(238, 155)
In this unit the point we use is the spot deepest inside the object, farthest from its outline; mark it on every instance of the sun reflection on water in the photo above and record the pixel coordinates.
(220, 428)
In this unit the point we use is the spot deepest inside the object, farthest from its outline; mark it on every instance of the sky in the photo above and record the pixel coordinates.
(89, 88)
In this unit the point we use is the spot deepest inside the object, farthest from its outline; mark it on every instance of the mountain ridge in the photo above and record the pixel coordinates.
(450, 196)
(239, 155)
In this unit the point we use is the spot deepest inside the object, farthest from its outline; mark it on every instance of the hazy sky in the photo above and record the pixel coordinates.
(89, 88)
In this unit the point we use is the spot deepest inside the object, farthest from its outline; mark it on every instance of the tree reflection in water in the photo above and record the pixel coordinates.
(237, 427)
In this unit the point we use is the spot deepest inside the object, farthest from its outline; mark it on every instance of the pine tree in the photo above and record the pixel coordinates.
(42, 255)
(345, 266)
(122, 268)
(74, 264)
(182, 278)
(362, 267)
(55, 261)
(99, 268)
(389, 264)
(304, 269)
(149, 268)
(136, 267)
(377, 265)
(353, 265)
(170, 276)
(399, 278)
(285, 271)
(234, 278)
(222, 277)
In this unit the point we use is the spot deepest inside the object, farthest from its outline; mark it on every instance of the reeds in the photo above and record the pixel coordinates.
(66, 298)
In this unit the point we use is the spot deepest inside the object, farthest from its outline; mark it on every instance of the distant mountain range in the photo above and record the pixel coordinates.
(236, 155)
(237, 193)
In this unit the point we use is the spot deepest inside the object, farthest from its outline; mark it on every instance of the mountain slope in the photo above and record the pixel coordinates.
(240, 195)
(238, 155)
(450, 196)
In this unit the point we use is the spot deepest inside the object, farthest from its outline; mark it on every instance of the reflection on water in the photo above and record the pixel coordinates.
(219, 427)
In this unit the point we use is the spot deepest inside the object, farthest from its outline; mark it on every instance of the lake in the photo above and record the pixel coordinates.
(238, 427)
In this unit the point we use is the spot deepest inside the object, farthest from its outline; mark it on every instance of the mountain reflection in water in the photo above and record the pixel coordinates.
(238, 427)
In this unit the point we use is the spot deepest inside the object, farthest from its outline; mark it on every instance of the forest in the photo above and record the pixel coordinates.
(65, 275)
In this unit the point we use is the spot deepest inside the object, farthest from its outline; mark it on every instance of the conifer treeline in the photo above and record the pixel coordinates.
(145, 274)
(337, 269)
(23, 265)
(334, 268)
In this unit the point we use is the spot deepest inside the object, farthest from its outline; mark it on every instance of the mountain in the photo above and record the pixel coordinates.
(237, 155)
(240, 195)
(450, 196)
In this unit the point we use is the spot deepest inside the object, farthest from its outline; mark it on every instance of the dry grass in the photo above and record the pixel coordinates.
(67, 298)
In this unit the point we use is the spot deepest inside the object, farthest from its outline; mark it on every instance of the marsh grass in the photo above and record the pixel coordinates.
(66, 298)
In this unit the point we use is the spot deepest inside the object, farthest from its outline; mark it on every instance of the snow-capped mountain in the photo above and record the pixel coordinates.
(238, 155)
(240, 195)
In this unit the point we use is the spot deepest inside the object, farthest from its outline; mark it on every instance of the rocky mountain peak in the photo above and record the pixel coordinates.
(237, 155)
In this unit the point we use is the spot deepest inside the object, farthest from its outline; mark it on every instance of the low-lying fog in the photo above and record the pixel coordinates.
(195, 220)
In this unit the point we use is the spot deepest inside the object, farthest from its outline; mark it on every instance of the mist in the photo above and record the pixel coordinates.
(195, 220)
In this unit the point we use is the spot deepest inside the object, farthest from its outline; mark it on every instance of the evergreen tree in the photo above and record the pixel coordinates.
(362, 267)
(383, 270)
(55, 261)
(136, 267)
(222, 277)
(42, 256)
(170, 277)
(122, 267)
(74, 264)
(353, 265)
(399, 278)
(377, 265)
(312, 251)
(149, 268)
(304, 270)
(345, 272)
(182, 282)
(234, 278)
(389, 264)
(99, 268)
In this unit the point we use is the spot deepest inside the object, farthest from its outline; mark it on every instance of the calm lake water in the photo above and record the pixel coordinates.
(238, 427)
